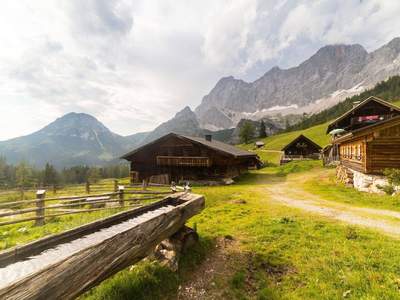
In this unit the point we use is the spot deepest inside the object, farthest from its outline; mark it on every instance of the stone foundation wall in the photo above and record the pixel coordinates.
(369, 183)
(360, 181)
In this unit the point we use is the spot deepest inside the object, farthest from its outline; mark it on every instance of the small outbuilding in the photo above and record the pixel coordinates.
(301, 148)
(259, 144)
(176, 157)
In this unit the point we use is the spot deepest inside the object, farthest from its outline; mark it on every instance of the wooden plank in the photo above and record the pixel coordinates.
(78, 273)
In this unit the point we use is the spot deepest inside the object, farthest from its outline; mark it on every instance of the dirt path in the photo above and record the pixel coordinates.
(203, 283)
(288, 193)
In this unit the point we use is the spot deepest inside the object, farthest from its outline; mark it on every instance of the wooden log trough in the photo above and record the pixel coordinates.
(65, 265)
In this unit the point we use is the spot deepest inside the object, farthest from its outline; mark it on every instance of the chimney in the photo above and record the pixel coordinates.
(208, 137)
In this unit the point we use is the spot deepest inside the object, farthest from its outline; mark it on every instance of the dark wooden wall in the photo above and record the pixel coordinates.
(144, 162)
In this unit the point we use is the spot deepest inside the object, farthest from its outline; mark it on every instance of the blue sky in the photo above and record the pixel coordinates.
(134, 64)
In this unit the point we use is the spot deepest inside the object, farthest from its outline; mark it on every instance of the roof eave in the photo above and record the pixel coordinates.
(377, 99)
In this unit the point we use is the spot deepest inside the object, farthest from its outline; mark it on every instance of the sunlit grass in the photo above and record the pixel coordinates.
(288, 254)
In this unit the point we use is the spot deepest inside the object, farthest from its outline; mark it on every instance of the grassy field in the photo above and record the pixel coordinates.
(269, 251)
(105, 185)
(322, 183)
(273, 252)
(21, 233)
(316, 133)
(270, 154)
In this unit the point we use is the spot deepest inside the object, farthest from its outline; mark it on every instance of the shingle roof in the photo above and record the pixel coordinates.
(220, 146)
(216, 145)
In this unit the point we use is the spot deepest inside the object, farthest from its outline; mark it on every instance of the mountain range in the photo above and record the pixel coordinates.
(279, 98)
(332, 74)
(73, 139)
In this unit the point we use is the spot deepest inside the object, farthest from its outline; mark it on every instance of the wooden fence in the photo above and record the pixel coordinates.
(39, 270)
(43, 207)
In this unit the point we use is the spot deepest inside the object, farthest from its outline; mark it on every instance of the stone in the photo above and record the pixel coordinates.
(168, 251)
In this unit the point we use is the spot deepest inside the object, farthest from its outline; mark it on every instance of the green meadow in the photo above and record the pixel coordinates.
(271, 251)
(254, 247)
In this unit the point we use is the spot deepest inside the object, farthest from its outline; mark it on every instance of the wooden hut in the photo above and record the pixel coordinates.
(368, 142)
(175, 157)
(372, 148)
(301, 148)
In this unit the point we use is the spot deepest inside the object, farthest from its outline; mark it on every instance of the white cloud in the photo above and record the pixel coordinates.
(134, 64)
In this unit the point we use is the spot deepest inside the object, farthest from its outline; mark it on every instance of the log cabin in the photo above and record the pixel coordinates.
(367, 142)
(369, 138)
(301, 148)
(176, 157)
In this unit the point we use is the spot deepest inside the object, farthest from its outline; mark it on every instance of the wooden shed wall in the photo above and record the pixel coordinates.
(385, 149)
(374, 152)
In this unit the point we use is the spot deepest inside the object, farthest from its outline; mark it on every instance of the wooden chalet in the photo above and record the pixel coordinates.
(301, 148)
(369, 137)
(175, 157)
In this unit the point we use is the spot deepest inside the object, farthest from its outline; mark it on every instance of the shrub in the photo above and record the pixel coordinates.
(351, 233)
(388, 189)
(393, 176)
(238, 280)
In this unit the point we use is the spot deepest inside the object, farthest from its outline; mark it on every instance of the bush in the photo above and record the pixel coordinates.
(238, 280)
(388, 189)
(393, 176)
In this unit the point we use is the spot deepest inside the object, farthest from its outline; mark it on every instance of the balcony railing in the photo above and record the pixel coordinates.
(188, 161)
(301, 157)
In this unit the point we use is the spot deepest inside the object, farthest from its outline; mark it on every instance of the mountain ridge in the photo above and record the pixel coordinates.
(330, 75)
(73, 139)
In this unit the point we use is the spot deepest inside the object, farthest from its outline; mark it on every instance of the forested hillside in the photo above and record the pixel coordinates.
(388, 90)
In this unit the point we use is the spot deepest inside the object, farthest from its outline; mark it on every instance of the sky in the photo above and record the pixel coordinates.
(134, 63)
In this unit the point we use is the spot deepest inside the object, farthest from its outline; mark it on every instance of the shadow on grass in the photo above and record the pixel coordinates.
(149, 280)
(277, 174)
(259, 178)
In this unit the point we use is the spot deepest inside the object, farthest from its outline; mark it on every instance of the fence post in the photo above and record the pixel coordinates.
(40, 195)
(144, 184)
(21, 190)
(115, 185)
(173, 187)
(54, 189)
(88, 187)
(121, 190)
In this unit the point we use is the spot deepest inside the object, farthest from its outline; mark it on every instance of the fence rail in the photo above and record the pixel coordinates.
(44, 207)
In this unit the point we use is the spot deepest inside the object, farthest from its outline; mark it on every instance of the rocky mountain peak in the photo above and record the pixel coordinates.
(333, 73)
(184, 122)
(185, 113)
(338, 54)
(394, 44)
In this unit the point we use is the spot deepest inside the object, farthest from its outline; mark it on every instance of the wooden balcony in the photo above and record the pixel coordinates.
(184, 161)
(288, 158)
